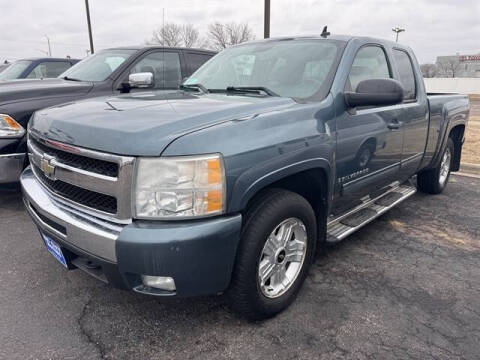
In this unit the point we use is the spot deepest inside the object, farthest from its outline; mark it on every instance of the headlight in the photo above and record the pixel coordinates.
(9, 128)
(180, 187)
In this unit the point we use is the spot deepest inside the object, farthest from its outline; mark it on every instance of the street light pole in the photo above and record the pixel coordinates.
(49, 48)
(266, 25)
(89, 26)
(397, 30)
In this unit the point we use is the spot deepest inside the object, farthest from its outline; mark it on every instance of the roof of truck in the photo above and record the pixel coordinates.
(344, 38)
(141, 47)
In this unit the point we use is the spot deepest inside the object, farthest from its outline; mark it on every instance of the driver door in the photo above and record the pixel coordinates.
(369, 140)
(165, 66)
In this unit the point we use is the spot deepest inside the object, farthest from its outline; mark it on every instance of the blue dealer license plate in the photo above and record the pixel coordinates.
(54, 249)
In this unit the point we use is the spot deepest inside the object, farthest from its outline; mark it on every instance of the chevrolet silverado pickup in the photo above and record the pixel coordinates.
(108, 72)
(229, 184)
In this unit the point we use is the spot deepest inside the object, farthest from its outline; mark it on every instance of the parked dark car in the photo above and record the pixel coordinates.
(39, 68)
(108, 72)
(270, 150)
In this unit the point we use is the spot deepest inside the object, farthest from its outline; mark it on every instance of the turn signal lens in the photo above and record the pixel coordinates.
(9, 128)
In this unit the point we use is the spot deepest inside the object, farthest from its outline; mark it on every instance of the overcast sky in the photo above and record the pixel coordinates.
(433, 27)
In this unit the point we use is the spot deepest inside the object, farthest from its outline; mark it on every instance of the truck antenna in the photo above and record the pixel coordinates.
(325, 33)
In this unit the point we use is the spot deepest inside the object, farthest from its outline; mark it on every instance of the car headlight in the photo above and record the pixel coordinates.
(180, 187)
(9, 128)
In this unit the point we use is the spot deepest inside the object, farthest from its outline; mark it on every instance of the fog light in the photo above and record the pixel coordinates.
(159, 282)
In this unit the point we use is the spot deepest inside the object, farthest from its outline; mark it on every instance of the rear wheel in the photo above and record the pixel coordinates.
(276, 249)
(435, 180)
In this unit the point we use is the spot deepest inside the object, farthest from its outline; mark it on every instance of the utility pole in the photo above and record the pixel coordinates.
(43, 51)
(266, 25)
(397, 30)
(89, 26)
(49, 48)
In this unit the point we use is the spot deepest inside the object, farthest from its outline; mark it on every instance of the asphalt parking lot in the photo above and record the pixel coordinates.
(406, 286)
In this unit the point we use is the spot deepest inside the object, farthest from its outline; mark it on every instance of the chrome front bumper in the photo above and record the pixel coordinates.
(11, 166)
(198, 255)
(86, 233)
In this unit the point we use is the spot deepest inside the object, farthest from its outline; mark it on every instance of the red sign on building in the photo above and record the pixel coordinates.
(470, 58)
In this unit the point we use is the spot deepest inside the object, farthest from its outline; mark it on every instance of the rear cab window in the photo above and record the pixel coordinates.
(195, 60)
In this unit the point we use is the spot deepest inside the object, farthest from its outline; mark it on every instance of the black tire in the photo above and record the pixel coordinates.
(265, 214)
(430, 181)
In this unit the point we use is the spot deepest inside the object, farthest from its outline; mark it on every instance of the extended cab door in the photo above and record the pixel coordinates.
(414, 113)
(369, 140)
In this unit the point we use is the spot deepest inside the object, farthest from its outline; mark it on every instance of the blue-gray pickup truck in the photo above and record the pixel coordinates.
(229, 185)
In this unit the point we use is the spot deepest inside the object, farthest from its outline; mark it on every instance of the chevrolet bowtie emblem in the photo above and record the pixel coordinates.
(46, 165)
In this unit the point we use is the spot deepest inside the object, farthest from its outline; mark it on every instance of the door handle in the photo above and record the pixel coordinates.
(394, 125)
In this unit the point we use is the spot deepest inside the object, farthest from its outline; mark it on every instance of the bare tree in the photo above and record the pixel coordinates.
(190, 36)
(449, 67)
(174, 35)
(167, 35)
(428, 70)
(222, 36)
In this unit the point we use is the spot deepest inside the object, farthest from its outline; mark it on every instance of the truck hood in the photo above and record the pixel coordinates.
(143, 124)
(21, 90)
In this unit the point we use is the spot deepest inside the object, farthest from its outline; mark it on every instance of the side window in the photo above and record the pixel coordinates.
(49, 69)
(165, 67)
(195, 60)
(405, 70)
(370, 63)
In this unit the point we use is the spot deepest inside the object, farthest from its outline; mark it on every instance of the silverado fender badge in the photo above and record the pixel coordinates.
(47, 166)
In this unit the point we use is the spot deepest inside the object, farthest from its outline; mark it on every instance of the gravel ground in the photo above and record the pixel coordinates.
(405, 286)
(470, 152)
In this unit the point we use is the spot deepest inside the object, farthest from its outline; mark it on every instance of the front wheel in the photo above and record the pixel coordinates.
(276, 250)
(434, 181)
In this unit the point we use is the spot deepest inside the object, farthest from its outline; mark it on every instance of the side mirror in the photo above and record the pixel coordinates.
(375, 92)
(140, 80)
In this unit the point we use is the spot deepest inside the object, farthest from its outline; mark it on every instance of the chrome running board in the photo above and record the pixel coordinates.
(371, 208)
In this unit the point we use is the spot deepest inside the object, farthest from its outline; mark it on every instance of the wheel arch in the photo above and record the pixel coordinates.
(310, 179)
(457, 135)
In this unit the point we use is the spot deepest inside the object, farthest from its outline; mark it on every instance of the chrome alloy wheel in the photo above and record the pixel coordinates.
(282, 257)
(445, 166)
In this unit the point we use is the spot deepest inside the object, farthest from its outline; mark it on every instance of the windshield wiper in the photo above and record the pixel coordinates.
(70, 79)
(194, 87)
(251, 89)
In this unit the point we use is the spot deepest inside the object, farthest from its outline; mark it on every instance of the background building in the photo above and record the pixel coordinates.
(463, 66)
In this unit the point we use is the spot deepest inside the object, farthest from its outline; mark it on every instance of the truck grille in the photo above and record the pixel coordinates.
(88, 180)
(77, 161)
(84, 197)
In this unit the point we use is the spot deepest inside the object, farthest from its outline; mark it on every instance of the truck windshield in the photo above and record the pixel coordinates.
(97, 67)
(290, 68)
(15, 70)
